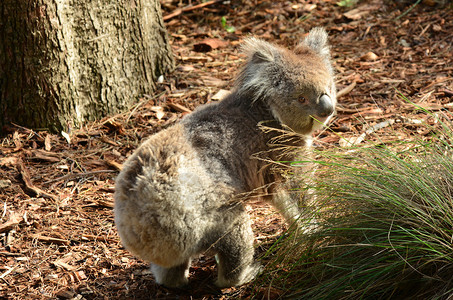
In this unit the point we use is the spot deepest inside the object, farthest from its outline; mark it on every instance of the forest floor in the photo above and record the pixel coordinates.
(57, 233)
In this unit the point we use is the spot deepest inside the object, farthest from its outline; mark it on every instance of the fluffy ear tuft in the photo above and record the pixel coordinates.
(317, 40)
(259, 50)
(261, 56)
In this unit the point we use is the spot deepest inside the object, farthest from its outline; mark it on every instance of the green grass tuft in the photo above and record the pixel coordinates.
(384, 226)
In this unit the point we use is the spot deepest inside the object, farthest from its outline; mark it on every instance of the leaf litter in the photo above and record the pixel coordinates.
(57, 234)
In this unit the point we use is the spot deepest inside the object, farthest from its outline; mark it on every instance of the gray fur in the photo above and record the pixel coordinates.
(317, 40)
(181, 193)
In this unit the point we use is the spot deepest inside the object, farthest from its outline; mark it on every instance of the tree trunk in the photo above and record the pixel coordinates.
(63, 62)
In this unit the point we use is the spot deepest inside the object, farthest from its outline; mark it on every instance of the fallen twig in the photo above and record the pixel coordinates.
(178, 107)
(29, 186)
(408, 10)
(446, 92)
(362, 110)
(46, 156)
(179, 11)
(91, 237)
(77, 175)
(370, 130)
(346, 90)
(48, 239)
(7, 272)
(104, 203)
(114, 164)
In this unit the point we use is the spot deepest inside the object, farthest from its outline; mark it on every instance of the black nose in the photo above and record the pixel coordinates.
(325, 106)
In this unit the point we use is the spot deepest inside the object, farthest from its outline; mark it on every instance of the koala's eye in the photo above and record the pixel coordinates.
(302, 99)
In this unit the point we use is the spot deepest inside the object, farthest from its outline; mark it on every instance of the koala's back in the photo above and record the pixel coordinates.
(225, 137)
(179, 186)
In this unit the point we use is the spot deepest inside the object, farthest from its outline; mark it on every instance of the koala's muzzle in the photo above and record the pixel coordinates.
(325, 106)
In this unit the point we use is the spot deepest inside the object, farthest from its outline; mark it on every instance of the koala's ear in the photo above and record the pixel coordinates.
(317, 41)
(259, 51)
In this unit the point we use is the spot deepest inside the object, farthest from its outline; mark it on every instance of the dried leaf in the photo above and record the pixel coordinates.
(213, 81)
(114, 126)
(362, 10)
(186, 68)
(437, 28)
(62, 264)
(370, 56)
(80, 275)
(47, 144)
(8, 161)
(14, 220)
(159, 110)
(221, 94)
(5, 183)
(66, 136)
(209, 44)
(66, 293)
(17, 140)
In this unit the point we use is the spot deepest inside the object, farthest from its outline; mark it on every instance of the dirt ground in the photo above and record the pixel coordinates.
(57, 235)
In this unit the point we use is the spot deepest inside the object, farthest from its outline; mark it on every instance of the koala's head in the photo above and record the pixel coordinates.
(298, 86)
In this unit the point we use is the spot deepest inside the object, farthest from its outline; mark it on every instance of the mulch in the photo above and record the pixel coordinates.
(57, 233)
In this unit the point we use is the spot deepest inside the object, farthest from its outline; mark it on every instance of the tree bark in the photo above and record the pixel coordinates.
(63, 62)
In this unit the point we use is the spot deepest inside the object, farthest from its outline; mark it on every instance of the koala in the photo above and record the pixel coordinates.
(183, 191)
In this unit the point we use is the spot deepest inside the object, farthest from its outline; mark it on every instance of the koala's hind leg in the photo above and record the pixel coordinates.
(173, 277)
(235, 250)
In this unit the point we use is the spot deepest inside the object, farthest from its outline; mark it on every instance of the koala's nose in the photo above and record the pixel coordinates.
(325, 106)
